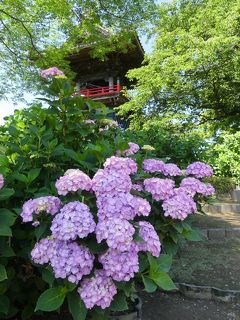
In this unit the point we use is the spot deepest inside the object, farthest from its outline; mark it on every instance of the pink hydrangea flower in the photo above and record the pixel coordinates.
(153, 165)
(150, 239)
(171, 169)
(72, 181)
(97, 291)
(160, 189)
(133, 148)
(51, 72)
(1, 181)
(121, 164)
(199, 170)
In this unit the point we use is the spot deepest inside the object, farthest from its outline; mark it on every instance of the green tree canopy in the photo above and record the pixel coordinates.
(194, 69)
(40, 33)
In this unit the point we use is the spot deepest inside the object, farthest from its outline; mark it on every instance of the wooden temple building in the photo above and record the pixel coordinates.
(103, 80)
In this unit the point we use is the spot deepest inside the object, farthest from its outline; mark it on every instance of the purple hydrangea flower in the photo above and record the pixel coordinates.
(117, 232)
(72, 181)
(179, 206)
(51, 72)
(97, 291)
(49, 204)
(123, 206)
(193, 186)
(137, 186)
(111, 182)
(160, 189)
(153, 165)
(121, 266)
(43, 250)
(150, 238)
(1, 181)
(199, 170)
(126, 165)
(133, 148)
(171, 169)
(71, 261)
(74, 220)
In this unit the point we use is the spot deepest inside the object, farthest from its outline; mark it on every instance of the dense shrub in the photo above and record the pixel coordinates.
(37, 146)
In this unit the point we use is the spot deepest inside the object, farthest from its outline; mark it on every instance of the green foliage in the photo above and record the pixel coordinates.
(193, 72)
(41, 34)
(36, 146)
(181, 148)
(222, 185)
(225, 157)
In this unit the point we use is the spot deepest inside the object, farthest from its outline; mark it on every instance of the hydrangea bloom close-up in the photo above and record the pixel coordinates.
(179, 206)
(151, 242)
(74, 220)
(171, 169)
(121, 266)
(71, 261)
(199, 170)
(153, 165)
(127, 165)
(111, 182)
(97, 291)
(43, 250)
(48, 204)
(192, 186)
(1, 181)
(51, 72)
(160, 189)
(117, 232)
(72, 181)
(133, 148)
(123, 205)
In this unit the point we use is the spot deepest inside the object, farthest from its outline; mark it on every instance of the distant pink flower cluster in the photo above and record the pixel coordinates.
(1, 181)
(167, 169)
(51, 72)
(133, 148)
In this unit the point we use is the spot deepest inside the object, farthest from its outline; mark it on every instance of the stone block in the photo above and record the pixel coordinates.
(216, 234)
(236, 195)
(233, 233)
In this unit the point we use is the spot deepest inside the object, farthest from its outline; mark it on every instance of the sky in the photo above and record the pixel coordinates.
(7, 107)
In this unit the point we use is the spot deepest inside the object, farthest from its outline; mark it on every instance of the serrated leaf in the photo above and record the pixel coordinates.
(163, 280)
(3, 273)
(4, 304)
(5, 231)
(51, 299)
(76, 306)
(149, 284)
(7, 217)
(119, 302)
(6, 193)
(48, 277)
(33, 174)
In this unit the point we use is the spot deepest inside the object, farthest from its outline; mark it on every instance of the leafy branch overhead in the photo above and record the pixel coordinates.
(41, 33)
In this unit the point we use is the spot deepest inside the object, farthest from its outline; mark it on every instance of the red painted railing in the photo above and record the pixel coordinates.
(101, 91)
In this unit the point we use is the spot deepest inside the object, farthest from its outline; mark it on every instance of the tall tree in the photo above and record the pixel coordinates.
(40, 33)
(194, 69)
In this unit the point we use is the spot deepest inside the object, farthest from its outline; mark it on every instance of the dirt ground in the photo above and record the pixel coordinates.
(173, 306)
(209, 263)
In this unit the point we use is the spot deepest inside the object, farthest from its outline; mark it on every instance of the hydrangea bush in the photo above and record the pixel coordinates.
(90, 212)
(98, 238)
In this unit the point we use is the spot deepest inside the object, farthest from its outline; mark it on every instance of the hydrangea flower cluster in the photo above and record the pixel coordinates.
(73, 226)
(133, 148)
(98, 290)
(1, 181)
(74, 220)
(179, 206)
(160, 189)
(72, 181)
(48, 204)
(68, 259)
(193, 186)
(51, 72)
(199, 170)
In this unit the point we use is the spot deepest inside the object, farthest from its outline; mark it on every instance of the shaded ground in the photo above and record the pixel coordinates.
(210, 263)
(174, 306)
